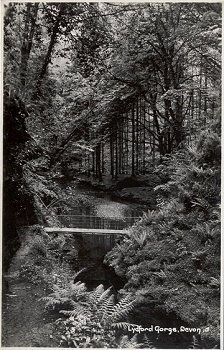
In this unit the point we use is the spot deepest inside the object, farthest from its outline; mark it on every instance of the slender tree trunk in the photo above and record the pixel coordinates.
(102, 158)
(169, 141)
(133, 141)
(28, 39)
(206, 88)
(200, 94)
(116, 152)
(153, 142)
(111, 155)
(119, 147)
(137, 138)
(177, 113)
(93, 163)
(49, 52)
(88, 165)
(192, 116)
(24, 51)
(144, 124)
(142, 134)
(178, 125)
(98, 162)
(122, 144)
(127, 144)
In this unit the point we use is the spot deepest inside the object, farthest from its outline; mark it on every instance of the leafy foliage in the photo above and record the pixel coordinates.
(43, 260)
(88, 64)
(94, 318)
(172, 256)
(65, 297)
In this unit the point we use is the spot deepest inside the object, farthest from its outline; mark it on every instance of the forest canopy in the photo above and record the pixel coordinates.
(115, 86)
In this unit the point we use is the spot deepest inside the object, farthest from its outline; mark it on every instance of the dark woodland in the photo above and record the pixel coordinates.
(112, 175)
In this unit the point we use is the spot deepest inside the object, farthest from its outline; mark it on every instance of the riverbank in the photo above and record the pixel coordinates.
(24, 322)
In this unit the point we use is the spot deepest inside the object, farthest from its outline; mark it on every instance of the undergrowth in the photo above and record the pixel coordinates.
(94, 319)
(44, 260)
(171, 257)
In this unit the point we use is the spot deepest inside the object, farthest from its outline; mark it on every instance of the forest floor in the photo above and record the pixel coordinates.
(24, 322)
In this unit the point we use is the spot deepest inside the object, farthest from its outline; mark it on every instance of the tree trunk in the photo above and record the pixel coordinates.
(111, 156)
(137, 138)
(27, 40)
(126, 145)
(93, 163)
(49, 52)
(102, 158)
(133, 141)
(98, 162)
(116, 152)
(144, 124)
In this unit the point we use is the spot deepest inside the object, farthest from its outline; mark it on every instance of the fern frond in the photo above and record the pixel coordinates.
(140, 238)
(106, 308)
(195, 343)
(78, 309)
(121, 309)
(79, 273)
(78, 289)
(95, 295)
(62, 296)
(53, 302)
(104, 296)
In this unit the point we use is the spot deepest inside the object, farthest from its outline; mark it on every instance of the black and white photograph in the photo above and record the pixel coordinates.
(111, 196)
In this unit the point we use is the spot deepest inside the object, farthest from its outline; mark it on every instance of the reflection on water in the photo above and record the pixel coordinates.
(106, 209)
(98, 204)
(88, 202)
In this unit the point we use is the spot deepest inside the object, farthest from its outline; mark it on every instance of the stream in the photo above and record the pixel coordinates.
(93, 248)
(97, 209)
(24, 321)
